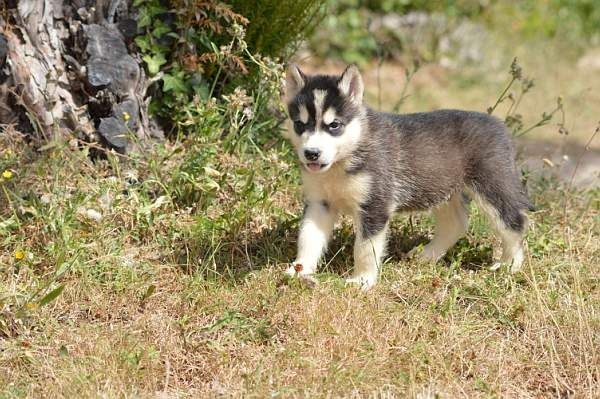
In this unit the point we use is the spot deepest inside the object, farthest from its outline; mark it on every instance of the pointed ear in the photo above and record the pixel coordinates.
(295, 80)
(351, 84)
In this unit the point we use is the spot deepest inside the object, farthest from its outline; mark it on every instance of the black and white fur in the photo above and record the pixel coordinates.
(368, 164)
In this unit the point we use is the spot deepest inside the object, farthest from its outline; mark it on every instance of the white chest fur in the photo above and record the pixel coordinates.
(343, 192)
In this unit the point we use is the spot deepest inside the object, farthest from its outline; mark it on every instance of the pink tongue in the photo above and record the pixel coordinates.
(314, 166)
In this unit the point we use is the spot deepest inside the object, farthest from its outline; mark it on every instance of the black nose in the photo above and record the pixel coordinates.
(312, 154)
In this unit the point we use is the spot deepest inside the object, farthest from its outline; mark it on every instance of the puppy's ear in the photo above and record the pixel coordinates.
(351, 84)
(295, 80)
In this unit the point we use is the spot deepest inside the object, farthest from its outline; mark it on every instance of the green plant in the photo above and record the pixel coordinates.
(276, 27)
(192, 53)
(345, 34)
(217, 68)
(409, 74)
(514, 120)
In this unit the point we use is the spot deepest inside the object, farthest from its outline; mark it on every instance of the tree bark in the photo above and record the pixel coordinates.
(67, 68)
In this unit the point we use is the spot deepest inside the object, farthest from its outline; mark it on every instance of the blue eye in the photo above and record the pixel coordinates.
(299, 127)
(334, 127)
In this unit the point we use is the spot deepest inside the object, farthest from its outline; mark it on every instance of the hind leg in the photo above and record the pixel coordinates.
(509, 222)
(451, 223)
(512, 250)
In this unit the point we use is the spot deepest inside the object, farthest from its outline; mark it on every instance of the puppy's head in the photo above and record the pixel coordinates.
(326, 115)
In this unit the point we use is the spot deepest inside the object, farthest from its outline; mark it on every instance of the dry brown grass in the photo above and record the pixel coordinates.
(229, 324)
(431, 329)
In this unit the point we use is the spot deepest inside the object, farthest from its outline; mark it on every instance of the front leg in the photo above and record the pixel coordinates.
(315, 232)
(371, 226)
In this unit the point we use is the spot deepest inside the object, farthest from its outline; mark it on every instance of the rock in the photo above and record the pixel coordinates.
(3, 50)
(123, 122)
(104, 42)
(571, 163)
(110, 67)
(465, 43)
(128, 28)
(3, 73)
(128, 112)
(114, 131)
(66, 66)
(109, 63)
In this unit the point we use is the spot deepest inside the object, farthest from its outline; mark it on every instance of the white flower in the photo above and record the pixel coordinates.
(248, 113)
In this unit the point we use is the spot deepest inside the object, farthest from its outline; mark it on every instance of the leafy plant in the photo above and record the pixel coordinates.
(276, 27)
(208, 58)
(512, 118)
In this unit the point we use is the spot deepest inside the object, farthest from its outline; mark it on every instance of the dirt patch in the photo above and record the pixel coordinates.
(570, 162)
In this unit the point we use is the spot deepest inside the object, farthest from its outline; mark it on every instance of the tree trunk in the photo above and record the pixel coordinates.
(66, 68)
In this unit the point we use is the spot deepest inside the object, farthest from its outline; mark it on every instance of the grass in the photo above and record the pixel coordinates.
(171, 266)
(148, 310)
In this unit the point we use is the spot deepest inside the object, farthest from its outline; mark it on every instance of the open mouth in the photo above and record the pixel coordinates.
(315, 166)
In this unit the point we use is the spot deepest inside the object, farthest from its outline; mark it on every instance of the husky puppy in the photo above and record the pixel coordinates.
(369, 164)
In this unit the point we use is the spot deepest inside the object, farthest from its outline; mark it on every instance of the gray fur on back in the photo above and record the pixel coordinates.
(427, 157)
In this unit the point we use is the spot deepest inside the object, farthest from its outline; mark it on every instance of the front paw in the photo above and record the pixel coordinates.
(305, 275)
(514, 264)
(365, 281)
(292, 269)
(298, 269)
